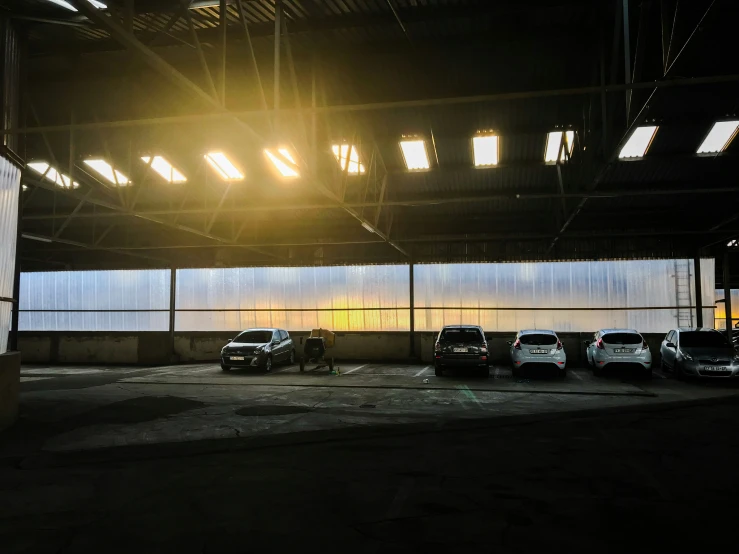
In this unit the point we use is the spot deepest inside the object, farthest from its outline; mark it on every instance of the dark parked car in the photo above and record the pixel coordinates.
(258, 348)
(461, 346)
(699, 352)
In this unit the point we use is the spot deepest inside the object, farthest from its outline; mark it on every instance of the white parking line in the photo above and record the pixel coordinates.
(421, 372)
(575, 375)
(355, 369)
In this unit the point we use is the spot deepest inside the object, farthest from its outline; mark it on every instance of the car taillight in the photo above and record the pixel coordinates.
(517, 344)
(437, 347)
(484, 349)
(599, 344)
(559, 345)
(645, 346)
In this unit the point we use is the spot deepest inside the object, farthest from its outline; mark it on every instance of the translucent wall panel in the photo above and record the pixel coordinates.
(720, 322)
(9, 190)
(588, 295)
(345, 298)
(95, 301)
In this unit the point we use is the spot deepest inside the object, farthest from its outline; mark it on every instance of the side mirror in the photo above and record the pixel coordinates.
(670, 345)
(510, 342)
(586, 342)
(276, 341)
(231, 340)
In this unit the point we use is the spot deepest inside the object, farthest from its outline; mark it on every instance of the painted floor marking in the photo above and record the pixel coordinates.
(422, 371)
(355, 369)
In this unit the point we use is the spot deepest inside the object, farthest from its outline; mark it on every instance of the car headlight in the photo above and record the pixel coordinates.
(258, 349)
(686, 356)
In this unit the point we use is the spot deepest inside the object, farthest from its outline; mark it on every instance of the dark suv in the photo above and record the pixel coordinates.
(461, 346)
(258, 348)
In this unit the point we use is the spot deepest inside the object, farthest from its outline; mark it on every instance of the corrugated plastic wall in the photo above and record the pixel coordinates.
(128, 300)
(564, 296)
(344, 298)
(9, 190)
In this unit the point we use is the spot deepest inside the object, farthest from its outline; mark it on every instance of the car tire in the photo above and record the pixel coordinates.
(438, 371)
(268, 364)
(515, 372)
(562, 372)
(597, 371)
(225, 367)
(291, 360)
(483, 372)
(663, 366)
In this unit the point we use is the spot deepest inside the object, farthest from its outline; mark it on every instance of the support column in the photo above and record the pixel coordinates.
(727, 294)
(172, 308)
(413, 311)
(15, 314)
(698, 291)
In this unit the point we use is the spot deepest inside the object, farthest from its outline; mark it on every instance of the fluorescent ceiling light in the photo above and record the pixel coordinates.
(63, 4)
(638, 142)
(719, 137)
(414, 153)
(732, 243)
(107, 171)
(340, 152)
(227, 170)
(165, 169)
(281, 166)
(485, 150)
(553, 152)
(368, 227)
(60, 179)
(34, 237)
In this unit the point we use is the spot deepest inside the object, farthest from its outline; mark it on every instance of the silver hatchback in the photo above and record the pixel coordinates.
(699, 353)
(537, 348)
(619, 348)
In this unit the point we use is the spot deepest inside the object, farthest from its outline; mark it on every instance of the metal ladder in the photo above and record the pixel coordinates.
(683, 293)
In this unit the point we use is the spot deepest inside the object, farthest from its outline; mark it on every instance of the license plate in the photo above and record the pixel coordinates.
(539, 351)
(623, 350)
(714, 368)
(237, 358)
(460, 350)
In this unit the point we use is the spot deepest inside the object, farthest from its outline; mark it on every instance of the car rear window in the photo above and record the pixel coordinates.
(622, 338)
(538, 338)
(254, 337)
(698, 339)
(462, 336)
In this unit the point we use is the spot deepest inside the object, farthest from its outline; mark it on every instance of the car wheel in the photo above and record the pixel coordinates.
(292, 357)
(562, 372)
(225, 367)
(515, 372)
(268, 364)
(438, 371)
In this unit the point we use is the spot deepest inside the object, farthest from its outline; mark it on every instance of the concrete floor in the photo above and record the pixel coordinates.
(192, 458)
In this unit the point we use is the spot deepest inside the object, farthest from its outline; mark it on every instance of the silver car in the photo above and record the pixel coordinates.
(699, 353)
(537, 348)
(619, 348)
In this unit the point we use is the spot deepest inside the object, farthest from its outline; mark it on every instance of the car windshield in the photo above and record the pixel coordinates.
(622, 338)
(538, 338)
(461, 336)
(703, 340)
(254, 337)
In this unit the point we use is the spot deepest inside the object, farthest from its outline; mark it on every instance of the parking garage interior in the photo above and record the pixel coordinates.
(173, 173)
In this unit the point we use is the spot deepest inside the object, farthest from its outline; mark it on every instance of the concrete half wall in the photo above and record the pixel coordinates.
(154, 348)
(10, 378)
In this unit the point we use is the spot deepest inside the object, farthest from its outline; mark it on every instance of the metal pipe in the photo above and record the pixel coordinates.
(627, 54)
(412, 319)
(698, 290)
(278, 21)
(223, 23)
(172, 308)
(378, 106)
